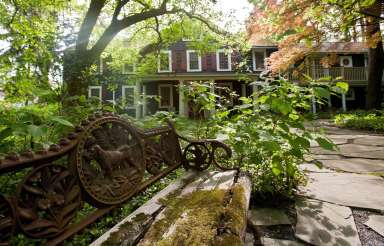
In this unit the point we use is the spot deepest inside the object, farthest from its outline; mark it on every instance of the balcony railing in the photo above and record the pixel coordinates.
(348, 73)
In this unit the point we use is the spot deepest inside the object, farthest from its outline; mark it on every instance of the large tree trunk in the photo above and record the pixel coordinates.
(375, 60)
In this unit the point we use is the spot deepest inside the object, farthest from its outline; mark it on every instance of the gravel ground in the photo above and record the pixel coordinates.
(368, 237)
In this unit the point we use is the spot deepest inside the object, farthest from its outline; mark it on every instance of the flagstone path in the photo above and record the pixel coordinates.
(343, 202)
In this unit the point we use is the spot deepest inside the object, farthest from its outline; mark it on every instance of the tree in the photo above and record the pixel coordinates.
(131, 16)
(295, 22)
(29, 34)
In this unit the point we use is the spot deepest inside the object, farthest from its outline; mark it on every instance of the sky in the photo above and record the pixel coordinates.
(240, 10)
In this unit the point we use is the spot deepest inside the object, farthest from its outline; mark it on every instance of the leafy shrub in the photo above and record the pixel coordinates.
(267, 132)
(371, 120)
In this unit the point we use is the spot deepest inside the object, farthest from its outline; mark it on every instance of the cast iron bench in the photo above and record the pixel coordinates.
(105, 162)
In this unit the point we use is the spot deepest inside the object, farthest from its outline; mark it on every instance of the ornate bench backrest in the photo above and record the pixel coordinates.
(104, 162)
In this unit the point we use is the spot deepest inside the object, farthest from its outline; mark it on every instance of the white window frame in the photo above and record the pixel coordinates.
(226, 84)
(188, 61)
(171, 96)
(90, 88)
(125, 72)
(101, 65)
(345, 57)
(169, 52)
(229, 58)
(254, 58)
(124, 96)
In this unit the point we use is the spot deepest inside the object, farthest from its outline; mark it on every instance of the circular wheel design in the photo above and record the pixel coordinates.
(110, 161)
(197, 156)
(47, 200)
(7, 220)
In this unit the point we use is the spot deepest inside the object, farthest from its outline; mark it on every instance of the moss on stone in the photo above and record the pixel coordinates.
(194, 219)
(127, 231)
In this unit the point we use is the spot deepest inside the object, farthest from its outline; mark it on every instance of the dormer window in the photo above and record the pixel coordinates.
(129, 68)
(258, 60)
(223, 60)
(165, 61)
(193, 61)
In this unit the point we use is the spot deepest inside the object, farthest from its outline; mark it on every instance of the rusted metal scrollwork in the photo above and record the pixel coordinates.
(162, 150)
(109, 161)
(199, 155)
(47, 200)
(7, 220)
(105, 161)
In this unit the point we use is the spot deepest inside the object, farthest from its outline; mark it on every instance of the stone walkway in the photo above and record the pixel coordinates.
(343, 202)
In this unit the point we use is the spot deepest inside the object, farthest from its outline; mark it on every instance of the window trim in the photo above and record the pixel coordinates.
(101, 67)
(124, 96)
(229, 58)
(188, 61)
(254, 58)
(134, 68)
(169, 52)
(344, 57)
(99, 87)
(170, 86)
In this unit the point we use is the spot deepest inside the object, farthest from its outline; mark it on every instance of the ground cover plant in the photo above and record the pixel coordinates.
(364, 120)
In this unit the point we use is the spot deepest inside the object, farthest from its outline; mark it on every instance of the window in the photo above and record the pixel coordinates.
(94, 91)
(346, 61)
(166, 96)
(101, 66)
(129, 95)
(129, 68)
(223, 61)
(258, 60)
(193, 61)
(224, 91)
(165, 61)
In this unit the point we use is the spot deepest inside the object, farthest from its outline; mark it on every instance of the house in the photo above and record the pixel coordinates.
(350, 63)
(178, 65)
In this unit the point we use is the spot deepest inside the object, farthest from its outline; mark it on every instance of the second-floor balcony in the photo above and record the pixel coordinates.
(350, 74)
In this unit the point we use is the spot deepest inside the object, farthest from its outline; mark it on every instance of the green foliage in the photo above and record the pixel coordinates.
(267, 131)
(365, 120)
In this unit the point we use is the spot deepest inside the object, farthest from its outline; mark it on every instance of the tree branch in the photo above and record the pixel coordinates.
(120, 5)
(88, 24)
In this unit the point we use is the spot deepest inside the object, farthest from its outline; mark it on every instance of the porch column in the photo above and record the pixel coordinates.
(183, 110)
(243, 90)
(114, 98)
(144, 100)
(314, 104)
(344, 102)
(212, 112)
(254, 96)
(137, 100)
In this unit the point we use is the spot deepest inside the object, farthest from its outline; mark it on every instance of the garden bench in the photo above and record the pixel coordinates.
(105, 162)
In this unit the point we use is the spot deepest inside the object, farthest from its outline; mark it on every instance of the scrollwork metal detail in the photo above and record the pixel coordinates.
(7, 220)
(110, 161)
(199, 155)
(47, 200)
(164, 150)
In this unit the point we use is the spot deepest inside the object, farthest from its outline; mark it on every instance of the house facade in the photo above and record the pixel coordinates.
(178, 65)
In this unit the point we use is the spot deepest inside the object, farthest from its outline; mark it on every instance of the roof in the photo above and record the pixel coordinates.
(342, 47)
(260, 40)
